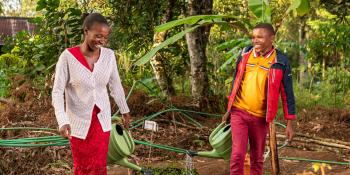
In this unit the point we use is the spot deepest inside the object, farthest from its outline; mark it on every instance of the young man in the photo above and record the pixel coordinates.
(262, 74)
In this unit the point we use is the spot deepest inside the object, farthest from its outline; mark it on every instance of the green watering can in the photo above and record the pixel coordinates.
(220, 140)
(121, 145)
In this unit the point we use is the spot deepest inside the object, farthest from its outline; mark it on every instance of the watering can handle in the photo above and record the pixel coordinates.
(120, 121)
(118, 118)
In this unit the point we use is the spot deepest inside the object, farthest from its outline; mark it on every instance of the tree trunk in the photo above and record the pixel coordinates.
(158, 61)
(302, 62)
(197, 41)
(245, 8)
(323, 67)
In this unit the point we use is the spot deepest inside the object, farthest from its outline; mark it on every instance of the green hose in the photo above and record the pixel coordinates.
(34, 141)
(315, 160)
(191, 119)
(139, 122)
(164, 147)
(184, 112)
(60, 141)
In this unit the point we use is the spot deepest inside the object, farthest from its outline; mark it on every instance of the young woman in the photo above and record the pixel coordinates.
(80, 97)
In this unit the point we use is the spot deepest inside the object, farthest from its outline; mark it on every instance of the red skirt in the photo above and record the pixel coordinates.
(90, 154)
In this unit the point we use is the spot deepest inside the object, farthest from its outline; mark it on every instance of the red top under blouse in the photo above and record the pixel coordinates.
(75, 51)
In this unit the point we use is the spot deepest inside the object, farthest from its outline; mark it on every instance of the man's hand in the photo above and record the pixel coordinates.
(65, 131)
(226, 118)
(126, 120)
(289, 131)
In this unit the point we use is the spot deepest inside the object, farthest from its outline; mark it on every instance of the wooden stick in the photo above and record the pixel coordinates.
(275, 169)
(150, 149)
(313, 147)
(324, 139)
(174, 122)
(319, 142)
(320, 138)
(5, 101)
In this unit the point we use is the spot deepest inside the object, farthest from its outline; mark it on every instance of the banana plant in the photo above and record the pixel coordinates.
(233, 46)
(262, 11)
(262, 8)
(194, 22)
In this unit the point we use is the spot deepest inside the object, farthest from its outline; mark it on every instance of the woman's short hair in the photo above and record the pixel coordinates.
(92, 18)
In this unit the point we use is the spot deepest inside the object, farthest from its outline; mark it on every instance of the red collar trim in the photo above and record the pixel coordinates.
(266, 55)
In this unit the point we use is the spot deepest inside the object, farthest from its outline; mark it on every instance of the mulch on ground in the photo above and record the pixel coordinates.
(32, 107)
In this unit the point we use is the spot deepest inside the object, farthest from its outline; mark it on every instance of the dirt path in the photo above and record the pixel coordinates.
(288, 167)
(203, 166)
(207, 166)
(30, 110)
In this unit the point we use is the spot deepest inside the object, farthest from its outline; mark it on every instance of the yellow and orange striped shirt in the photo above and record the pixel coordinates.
(253, 91)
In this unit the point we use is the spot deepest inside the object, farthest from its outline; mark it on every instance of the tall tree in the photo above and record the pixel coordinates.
(301, 59)
(158, 61)
(1, 8)
(28, 8)
(197, 41)
(22, 8)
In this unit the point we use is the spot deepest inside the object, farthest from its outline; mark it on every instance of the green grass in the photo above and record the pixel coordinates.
(170, 170)
(4, 85)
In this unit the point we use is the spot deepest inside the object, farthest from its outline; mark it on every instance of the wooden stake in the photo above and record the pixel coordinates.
(275, 169)
(318, 142)
(150, 149)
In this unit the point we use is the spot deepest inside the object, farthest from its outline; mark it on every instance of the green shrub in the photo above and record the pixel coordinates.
(171, 170)
(9, 65)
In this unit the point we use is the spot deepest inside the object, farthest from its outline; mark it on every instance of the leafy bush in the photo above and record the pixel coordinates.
(170, 171)
(4, 84)
(331, 92)
(9, 64)
(57, 29)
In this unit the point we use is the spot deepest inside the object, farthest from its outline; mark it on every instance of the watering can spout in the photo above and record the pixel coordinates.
(210, 154)
(124, 162)
(121, 145)
(220, 140)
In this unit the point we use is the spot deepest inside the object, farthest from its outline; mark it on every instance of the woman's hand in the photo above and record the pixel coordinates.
(126, 120)
(65, 131)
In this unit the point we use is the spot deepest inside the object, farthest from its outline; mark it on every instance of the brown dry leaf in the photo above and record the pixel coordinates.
(317, 127)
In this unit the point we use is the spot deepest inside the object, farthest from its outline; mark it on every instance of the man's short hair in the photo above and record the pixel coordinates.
(266, 26)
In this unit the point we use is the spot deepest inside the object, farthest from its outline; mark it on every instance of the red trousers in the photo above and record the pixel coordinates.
(90, 154)
(246, 126)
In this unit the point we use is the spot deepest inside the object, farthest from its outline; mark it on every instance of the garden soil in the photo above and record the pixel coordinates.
(28, 106)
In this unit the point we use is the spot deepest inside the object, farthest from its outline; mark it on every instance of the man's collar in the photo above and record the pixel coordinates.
(266, 55)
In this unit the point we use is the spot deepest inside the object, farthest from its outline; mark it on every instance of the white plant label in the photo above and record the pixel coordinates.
(150, 125)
